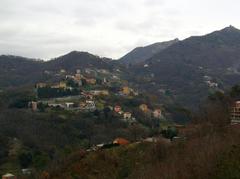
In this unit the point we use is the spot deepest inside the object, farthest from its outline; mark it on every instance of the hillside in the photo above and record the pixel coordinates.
(19, 71)
(140, 54)
(201, 156)
(75, 60)
(183, 73)
(192, 68)
(158, 161)
(207, 147)
(16, 71)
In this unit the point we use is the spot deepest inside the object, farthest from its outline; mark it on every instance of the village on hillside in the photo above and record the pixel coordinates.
(90, 91)
(99, 92)
(104, 93)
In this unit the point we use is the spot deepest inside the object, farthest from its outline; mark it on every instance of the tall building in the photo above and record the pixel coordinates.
(235, 112)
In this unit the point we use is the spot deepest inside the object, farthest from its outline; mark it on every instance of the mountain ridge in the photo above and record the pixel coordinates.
(178, 71)
(19, 71)
(189, 69)
(140, 54)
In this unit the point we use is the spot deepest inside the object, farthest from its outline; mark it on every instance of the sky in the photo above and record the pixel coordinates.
(50, 28)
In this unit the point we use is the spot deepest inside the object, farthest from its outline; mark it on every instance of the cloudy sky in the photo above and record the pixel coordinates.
(49, 28)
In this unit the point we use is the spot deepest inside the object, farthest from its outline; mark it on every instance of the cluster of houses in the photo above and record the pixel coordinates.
(86, 101)
(78, 79)
(87, 96)
(83, 105)
(128, 116)
(156, 113)
(89, 77)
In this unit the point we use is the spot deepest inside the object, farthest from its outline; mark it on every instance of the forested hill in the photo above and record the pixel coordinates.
(15, 71)
(75, 59)
(20, 71)
(191, 68)
(185, 72)
(140, 54)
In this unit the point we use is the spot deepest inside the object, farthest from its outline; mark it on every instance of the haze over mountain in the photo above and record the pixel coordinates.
(140, 54)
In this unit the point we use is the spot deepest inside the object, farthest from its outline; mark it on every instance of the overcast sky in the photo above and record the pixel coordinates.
(50, 28)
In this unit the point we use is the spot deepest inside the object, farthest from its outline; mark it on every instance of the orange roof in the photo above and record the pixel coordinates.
(121, 141)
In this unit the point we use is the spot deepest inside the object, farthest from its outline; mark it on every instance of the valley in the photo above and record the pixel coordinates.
(78, 112)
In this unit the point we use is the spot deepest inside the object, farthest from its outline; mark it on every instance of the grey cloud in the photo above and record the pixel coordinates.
(48, 28)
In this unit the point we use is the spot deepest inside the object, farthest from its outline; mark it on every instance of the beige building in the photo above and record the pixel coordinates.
(41, 85)
(126, 90)
(78, 77)
(100, 92)
(235, 112)
(91, 81)
(62, 84)
(143, 107)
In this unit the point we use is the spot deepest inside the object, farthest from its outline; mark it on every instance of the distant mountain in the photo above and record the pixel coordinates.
(15, 71)
(20, 71)
(183, 73)
(188, 70)
(75, 60)
(140, 54)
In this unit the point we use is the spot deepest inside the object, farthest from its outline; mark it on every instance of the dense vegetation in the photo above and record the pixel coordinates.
(34, 139)
(48, 92)
(210, 150)
(211, 155)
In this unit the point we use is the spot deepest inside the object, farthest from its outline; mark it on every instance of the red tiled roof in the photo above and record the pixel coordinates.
(121, 141)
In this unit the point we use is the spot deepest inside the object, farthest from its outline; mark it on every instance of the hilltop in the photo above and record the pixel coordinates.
(19, 71)
(140, 54)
